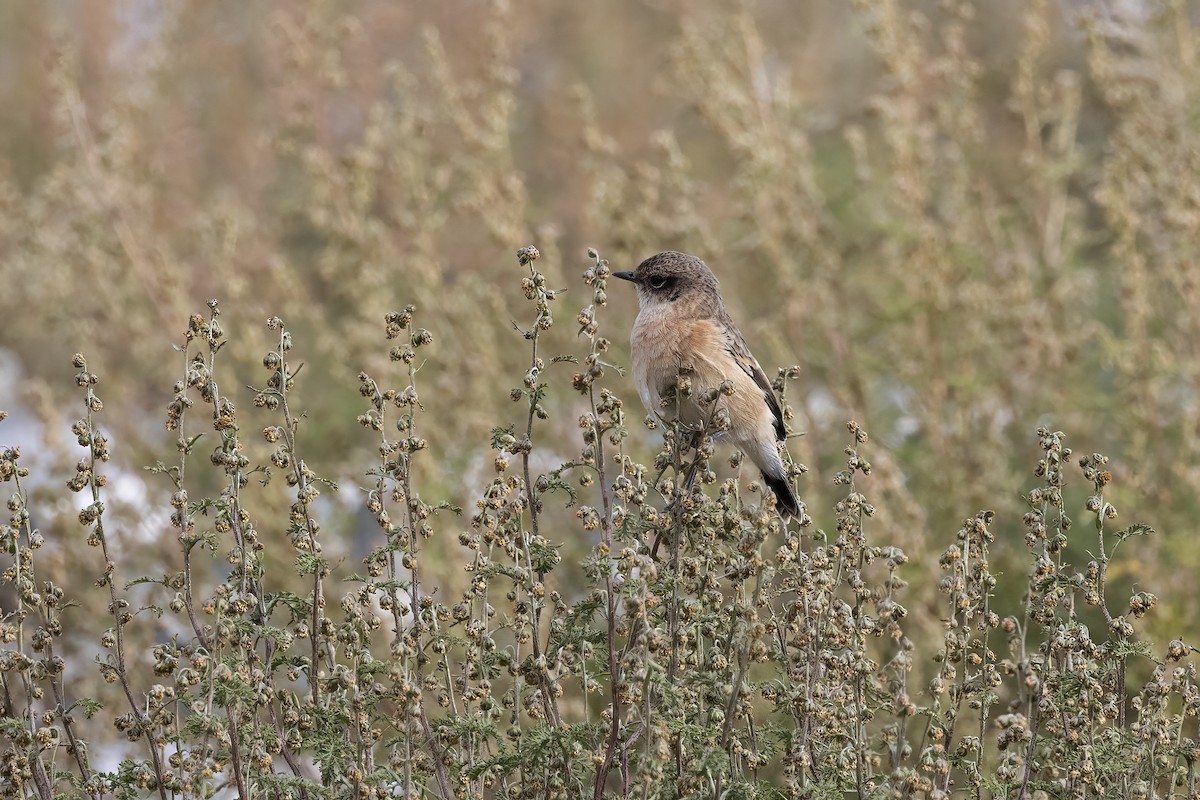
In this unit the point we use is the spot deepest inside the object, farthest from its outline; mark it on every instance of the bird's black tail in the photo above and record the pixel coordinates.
(784, 495)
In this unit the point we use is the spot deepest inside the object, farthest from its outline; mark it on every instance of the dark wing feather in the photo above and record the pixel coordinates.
(736, 345)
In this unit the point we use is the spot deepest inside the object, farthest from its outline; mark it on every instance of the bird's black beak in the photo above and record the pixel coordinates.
(625, 276)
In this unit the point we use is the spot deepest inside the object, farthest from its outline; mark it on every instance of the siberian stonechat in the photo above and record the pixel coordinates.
(682, 326)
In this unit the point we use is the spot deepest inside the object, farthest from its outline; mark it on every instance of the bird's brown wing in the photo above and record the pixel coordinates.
(736, 345)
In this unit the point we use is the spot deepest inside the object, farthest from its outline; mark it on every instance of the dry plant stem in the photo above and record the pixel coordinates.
(1027, 767)
(943, 782)
(176, 421)
(30, 714)
(676, 545)
(401, 471)
(235, 753)
(960, 624)
(55, 677)
(117, 605)
(234, 476)
(614, 667)
(1031, 704)
(41, 780)
(682, 490)
(378, 401)
(299, 473)
(222, 422)
(39, 769)
(284, 748)
(610, 747)
(185, 527)
(686, 487)
(535, 289)
(1051, 467)
(860, 711)
(1102, 559)
(812, 674)
(607, 542)
(426, 729)
(897, 752)
(1031, 707)
(988, 694)
(548, 700)
(179, 478)
(743, 656)
(231, 712)
(77, 746)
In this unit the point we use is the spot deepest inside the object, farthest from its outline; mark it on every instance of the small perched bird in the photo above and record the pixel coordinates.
(682, 325)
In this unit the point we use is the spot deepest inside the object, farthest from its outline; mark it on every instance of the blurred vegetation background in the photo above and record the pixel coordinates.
(961, 220)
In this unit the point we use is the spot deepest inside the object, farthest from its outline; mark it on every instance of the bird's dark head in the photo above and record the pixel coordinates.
(673, 277)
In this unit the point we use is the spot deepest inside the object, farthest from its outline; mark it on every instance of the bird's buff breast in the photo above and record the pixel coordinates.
(662, 347)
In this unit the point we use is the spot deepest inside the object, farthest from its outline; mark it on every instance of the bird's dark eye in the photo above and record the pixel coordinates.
(657, 281)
